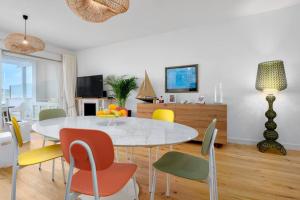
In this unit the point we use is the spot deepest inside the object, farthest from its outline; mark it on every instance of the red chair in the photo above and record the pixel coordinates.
(92, 152)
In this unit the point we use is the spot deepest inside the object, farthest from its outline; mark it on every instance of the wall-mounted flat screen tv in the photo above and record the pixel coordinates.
(90, 86)
(181, 79)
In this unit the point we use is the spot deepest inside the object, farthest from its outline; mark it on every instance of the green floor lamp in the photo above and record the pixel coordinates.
(270, 79)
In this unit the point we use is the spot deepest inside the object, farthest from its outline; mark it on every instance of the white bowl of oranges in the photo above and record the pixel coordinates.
(113, 111)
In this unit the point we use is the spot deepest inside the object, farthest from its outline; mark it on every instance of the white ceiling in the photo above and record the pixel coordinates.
(54, 22)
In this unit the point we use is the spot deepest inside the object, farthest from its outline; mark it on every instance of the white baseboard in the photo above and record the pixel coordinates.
(288, 146)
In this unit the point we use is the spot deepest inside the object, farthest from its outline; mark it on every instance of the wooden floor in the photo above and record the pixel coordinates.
(243, 173)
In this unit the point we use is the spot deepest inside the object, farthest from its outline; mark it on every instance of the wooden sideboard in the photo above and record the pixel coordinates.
(197, 116)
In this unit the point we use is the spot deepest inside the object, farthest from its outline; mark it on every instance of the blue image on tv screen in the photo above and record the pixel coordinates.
(182, 78)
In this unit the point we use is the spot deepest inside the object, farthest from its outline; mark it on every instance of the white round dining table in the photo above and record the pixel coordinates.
(124, 131)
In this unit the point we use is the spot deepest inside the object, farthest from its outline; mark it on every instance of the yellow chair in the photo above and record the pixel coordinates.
(167, 116)
(163, 115)
(28, 158)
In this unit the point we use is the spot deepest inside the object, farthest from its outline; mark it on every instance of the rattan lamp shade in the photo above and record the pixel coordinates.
(23, 43)
(15, 42)
(98, 10)
(271, 76)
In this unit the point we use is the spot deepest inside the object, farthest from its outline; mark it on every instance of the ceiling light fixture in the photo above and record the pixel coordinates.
(98, 10)
(23, 43)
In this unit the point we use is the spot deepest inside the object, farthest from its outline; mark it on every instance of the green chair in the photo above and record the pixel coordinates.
(191, 167)
(51, 114)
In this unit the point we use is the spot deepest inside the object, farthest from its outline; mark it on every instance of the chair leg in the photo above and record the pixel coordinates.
(168, 181)
(131, 154)
(168, 185)
(126, 153)
(216, 196)
(213, 170)
(153, 185)
(211, 189)
(74, 196)
(117, 154)
(14, 183)
(150, 167)
(68, 186)
(135, 186)
(63, 169)
(157, 152)
(53, 169)
(40, 165)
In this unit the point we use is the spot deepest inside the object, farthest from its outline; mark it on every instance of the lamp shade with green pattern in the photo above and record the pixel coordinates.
(271, 76)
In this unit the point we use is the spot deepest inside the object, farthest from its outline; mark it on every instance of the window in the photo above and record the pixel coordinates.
(16, 80)
(29, 85)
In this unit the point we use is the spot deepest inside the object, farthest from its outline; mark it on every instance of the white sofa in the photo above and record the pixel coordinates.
(6, 149)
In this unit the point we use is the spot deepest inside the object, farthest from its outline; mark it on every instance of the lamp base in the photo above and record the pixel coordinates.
(270, 134)
(269, 145)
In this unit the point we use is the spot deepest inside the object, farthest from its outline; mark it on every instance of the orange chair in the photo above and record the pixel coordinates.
(92, 152)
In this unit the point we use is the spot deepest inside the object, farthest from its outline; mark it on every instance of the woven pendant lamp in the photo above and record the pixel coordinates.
(98, 10)
(23, 43)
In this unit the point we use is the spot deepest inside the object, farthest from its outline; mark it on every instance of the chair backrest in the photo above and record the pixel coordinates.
(51, 113)
(164, 115)
(17, 132)
(208, 138)
(99, 142)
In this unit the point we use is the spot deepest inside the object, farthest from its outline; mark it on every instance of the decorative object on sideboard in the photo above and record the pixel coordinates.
(98, 10)
(221, 92)
(155, 101)
(161, 100)
(181, 79)
(270, 79)
(218, 93)
(201, 100)
(122, 87)
(184, 101)
(146, 92)
(172, 98)
(23, 43)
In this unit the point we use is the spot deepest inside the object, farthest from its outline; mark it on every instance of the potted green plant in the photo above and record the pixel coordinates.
(121, 86)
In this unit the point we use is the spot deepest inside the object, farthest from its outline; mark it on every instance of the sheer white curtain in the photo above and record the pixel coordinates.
(69, 82)
(1, 87)
(48, 80)
(0, 80)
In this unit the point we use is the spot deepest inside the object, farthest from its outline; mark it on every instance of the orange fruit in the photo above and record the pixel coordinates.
(107, 112)
(123, 113)
(112, 107)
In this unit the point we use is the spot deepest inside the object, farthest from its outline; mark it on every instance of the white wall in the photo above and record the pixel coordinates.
(227, 53)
